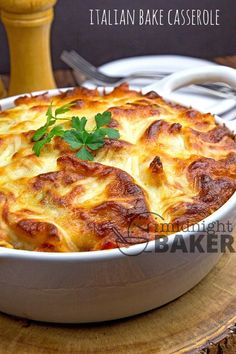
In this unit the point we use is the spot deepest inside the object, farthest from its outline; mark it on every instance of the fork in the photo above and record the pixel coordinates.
(78, 63)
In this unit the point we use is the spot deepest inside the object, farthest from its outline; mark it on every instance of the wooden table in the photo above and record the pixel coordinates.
(201, 321)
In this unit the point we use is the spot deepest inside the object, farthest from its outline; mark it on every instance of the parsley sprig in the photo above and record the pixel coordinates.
(78, 138)
(42, 136)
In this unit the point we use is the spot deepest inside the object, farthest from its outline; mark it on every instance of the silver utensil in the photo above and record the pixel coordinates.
(78, 63)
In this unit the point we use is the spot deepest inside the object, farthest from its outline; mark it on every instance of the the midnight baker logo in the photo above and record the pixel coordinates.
(215, 237)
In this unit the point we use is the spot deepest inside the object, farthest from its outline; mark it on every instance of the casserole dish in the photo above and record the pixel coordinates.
(110, 284)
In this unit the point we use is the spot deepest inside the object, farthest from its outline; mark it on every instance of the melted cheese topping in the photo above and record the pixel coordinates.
(172, 165)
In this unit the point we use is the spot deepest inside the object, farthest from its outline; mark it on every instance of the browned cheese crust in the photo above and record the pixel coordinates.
(170, 160)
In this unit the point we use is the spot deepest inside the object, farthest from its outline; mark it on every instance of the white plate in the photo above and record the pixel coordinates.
(171, 63)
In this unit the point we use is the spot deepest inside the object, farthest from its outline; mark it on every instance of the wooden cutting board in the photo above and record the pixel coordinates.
(190, 323)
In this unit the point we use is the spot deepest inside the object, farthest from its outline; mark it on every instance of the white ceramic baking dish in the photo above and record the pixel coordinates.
(106, 285)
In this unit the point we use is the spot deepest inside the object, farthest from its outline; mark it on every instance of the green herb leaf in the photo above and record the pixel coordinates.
(84, 154)
(56, 131)
(79, 124)
(110, 132)
(95, 146)
(83, 135)
(39, 133)
(50, 117)
(63, 109)
(102, 119)
(95, 140)
(95, 137)
(39, 145)
(73, 139)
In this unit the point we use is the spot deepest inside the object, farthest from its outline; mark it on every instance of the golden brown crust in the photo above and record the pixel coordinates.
(170, 160)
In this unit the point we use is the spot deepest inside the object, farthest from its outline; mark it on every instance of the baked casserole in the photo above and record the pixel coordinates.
(170, 161)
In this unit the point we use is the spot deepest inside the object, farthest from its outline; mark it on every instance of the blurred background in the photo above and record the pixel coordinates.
(71, 29)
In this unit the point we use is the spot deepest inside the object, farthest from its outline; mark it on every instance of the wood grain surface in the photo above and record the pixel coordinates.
(201, 321)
